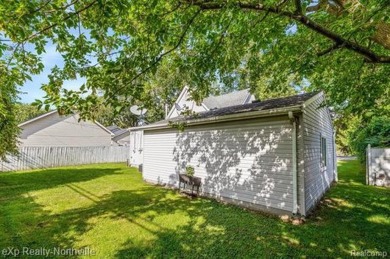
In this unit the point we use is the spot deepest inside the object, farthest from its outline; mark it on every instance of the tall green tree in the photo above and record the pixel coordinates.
(107, 116)
(375, 131)
(341, 47)
(26, 112)
(346, 126)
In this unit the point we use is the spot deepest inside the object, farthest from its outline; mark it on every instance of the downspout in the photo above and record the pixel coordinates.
(129, 158)
(336, 178)
(294, 162)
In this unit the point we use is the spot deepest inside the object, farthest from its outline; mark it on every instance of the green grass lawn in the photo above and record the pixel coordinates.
(109, 209)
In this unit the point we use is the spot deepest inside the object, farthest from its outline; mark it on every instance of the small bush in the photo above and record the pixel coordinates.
(190, 171)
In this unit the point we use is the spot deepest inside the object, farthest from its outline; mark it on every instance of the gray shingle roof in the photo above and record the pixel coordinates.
(225, 100)
(116, 130)
(284, 102)
(113, 128)
(258, 105)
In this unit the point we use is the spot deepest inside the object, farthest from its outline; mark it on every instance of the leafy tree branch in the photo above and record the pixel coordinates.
(299, 17)
(143, 52)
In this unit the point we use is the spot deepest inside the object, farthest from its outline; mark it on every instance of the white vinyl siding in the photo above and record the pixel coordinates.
(248, 161)
(136, 147)
(300, 168)
(317, 144)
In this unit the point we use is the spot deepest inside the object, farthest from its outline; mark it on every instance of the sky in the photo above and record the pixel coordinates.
(31, 90)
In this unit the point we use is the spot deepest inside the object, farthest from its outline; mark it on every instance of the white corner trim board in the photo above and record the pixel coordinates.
(294, 161)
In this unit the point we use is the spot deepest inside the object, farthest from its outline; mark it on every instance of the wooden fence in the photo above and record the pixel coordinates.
(378, 166)
(45, 157)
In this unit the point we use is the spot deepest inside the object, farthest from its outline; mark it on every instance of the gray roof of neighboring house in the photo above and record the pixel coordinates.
(230, 99)
(42, 116)
(116, 130)
(37, 118)
(270, 104)
(122, 136)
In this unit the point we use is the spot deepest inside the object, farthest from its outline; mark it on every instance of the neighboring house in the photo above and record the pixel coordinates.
(276, 155)
(52, 129)
(183, 103)
(121, 136)
(213, 102)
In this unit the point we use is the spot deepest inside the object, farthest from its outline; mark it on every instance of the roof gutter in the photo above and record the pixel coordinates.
(104, 128)
(231, 117)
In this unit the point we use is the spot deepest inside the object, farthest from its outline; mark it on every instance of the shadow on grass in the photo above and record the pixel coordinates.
(227, 231)
(49, 178)
(25, 223)
(352, 217)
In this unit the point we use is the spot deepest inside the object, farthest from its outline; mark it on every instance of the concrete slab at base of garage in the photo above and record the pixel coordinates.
(240, 203)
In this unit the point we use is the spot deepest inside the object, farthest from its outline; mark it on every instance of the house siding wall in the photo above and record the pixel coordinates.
(136, 147)
(300, 166)
(56, 130)
(248, 161)
(316, 124)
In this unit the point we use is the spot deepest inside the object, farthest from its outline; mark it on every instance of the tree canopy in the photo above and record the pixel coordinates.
(25, 112)
(145, 51)
(375, 132)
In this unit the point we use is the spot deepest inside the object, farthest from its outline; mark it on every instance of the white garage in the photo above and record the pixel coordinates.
(260, 155)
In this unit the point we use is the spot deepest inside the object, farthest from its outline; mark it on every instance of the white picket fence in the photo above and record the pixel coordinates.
(45, 157)
(378, 166)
